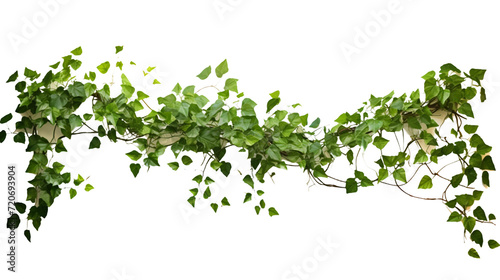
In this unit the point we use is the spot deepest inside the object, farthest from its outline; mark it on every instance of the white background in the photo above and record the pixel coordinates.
(142, 228)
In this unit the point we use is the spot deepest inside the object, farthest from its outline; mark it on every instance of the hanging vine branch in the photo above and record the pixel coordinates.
(187, 122)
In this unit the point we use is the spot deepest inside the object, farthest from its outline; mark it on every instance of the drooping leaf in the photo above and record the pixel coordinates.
(425, 182)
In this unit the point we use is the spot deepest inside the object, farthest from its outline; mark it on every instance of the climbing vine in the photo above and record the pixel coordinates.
(424, 137)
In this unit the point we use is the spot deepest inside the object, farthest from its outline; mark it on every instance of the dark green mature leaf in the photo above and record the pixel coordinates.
(351, 185)
(205, 73)
(486, 179)
(477, 75)
(479, 213)
(471, 174)
(225, 168)
(257, 209)
(13, 77)
(477, 237)
(221, 69)
(13, 221)
(20, 138)
(3, 135)
(27, 234)
(272, 103)
(95, 143)
(135, 168)
(493, 244)
(20, 207)
(273, 212)
(425, 182)
(487, 164)
(477, 194)
(457, 179)
(455, 217)
(315, 123)
(382, 174)
(473, 253)
(465, 200)
(6, 118)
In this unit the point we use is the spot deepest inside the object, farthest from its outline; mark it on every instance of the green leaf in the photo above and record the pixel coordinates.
(493, 244)
(479, 213)
(469, 223)
(134, 155)
(471, 175)
(443, 95)
(198, 179)
(231, 84)
(273, 212)
(315, 123)
(262, 203)
(473, 253)
(455, 217)
(350, 156)
(429, 75)
(20, 207)
(466, 109)
(491, 217)
(104, 67)
(257, 209)
(487, 164)
(382, 174)
(380, 142)
(224, 202)
(118, 49)
(6, 118)
(421, 157)
(205, 73)
(471, 129)
(209, 181)
(77, 51)
(351, 185)
(95, 143)
(135, 168)
(141, 95)
(221, 69)
(88, 187)
(192, 200)
(3, 135)
(194, 191)
(247, 106)
(174, 165)
(476, 140)
(72, 193)
(13, 77)
(249, 181)
(214, 207)
(457, 179)
(400, 174)
(13, 221)
(414, 123)
(465, 200)
(156, 82)
(207, 193)
(425, 183)
(477, 237)
(20, 138)
(177, 89)
(248, 197)
(272, 103)
(486, 178)
(477, 75)
(27, 234)
(477, 194)
(225, 168)
(186, 160)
